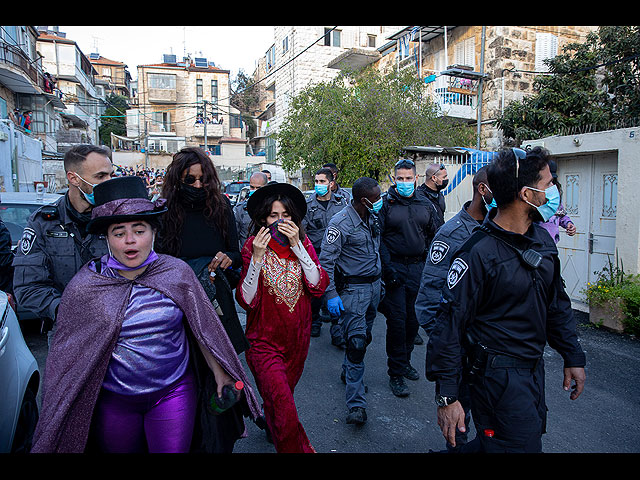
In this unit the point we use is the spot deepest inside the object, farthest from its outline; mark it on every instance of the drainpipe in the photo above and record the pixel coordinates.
(479, 121)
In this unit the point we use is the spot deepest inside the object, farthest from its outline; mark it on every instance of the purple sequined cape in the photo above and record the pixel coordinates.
(88, 324)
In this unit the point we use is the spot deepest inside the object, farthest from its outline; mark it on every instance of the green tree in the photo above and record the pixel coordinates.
(113, 120)
(361, 121)
(593, 84)
(246, 98)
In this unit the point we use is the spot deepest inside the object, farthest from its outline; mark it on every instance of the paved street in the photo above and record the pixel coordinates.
(605, 419)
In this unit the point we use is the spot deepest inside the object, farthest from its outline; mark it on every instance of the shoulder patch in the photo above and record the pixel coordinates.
(456, 271)
(438, 251)
(27, 240)
(333, 234)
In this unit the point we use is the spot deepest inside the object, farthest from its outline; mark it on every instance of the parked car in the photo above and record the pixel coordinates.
(16, 207)
(15, 210)
(233, 189)
(19, 383)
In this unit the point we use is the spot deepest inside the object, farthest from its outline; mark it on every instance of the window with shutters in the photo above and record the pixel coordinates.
(546, 47)
(464, 53)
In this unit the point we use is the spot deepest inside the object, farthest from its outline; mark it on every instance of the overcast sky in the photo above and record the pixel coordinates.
(230, 48)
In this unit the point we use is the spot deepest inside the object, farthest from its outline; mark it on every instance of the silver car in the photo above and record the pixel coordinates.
(16, 207)
(19, 384)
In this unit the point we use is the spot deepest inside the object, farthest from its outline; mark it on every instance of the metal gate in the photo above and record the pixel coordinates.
(461, 165)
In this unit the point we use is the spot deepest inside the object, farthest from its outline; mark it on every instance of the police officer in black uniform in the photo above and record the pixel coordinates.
(407, 227)
(55, 243)
(436, 180)
(503, 301)
(434, 275)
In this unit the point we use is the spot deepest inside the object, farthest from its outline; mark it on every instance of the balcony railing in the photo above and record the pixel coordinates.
(458, 102)
(14, 56)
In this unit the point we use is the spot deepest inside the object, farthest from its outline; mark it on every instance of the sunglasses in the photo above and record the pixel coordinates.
(404, 163)
(519, 155)
(190, 180)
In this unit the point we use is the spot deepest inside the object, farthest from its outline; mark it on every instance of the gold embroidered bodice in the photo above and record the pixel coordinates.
(283, 278)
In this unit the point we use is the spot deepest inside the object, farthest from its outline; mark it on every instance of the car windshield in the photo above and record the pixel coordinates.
(235, 187)
(15, 218)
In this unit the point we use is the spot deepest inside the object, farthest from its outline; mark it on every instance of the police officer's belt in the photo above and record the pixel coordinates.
(505, 361)
(355, 279)
(408, 259)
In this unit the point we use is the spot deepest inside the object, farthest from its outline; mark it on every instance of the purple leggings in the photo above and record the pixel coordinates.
(158, 422)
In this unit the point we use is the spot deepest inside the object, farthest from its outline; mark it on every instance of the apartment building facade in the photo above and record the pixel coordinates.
(473, 72)
(300, 56)
(29, 100)
(111, 76)
(76, 80)
(187, 103)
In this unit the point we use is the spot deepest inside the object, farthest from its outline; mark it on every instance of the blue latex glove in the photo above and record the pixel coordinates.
(335, 306)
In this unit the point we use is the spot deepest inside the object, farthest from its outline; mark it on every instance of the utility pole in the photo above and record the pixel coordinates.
(146, 144)
(205, 125)
(480, 87)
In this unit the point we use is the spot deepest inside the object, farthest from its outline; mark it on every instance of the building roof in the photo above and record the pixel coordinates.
(104, 61)
(182, 66)
(50, 37)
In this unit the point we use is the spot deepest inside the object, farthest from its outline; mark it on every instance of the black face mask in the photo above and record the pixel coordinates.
(443, 185)
(192, 195)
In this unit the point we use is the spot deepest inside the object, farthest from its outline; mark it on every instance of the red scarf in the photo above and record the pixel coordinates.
(283, 251)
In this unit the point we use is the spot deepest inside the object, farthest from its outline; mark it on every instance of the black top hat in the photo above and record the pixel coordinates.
(277, 189)
(122, 199)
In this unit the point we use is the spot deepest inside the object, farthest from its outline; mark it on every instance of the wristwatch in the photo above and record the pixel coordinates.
(443, 401)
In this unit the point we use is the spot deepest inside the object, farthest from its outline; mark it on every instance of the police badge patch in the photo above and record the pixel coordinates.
(457, 270)
(438, 251)
(332, 234)
(27, 240)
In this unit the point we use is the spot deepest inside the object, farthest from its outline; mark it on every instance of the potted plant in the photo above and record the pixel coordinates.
(614, 299)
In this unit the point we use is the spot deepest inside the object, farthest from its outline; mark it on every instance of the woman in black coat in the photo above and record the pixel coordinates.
(200, 229)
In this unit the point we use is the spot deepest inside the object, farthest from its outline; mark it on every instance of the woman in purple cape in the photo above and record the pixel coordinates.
(139, 349)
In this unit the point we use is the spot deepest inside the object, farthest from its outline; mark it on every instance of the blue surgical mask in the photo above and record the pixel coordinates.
(375, 206)
(550, 207)
(321, 190)
(405, 188)
(493, 203)
(88, 196)
(251, 192)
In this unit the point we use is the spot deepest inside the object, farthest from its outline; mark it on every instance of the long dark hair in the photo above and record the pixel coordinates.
(264, 210)
(215, 203)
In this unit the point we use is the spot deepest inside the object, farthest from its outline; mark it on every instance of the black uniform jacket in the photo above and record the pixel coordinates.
(407, 226)
(492, 296)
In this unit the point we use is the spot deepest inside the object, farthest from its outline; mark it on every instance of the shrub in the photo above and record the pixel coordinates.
(613, 283)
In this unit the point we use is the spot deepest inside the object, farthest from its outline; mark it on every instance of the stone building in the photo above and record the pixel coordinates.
(300, 56)
(187, 103)
(457, 62)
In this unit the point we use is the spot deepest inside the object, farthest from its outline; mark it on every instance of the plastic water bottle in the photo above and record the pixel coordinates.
(230, 396)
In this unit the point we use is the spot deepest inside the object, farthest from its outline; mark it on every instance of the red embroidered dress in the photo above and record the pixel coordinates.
(278, 329)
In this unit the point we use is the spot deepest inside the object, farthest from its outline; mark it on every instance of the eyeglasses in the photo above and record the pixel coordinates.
(519, 155)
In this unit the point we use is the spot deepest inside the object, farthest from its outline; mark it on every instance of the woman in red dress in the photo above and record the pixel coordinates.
(280, 274)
